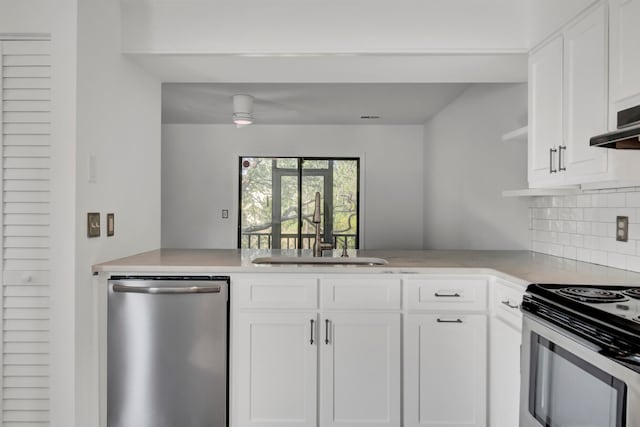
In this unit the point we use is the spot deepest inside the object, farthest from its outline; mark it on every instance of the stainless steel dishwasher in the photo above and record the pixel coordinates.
(167, 351)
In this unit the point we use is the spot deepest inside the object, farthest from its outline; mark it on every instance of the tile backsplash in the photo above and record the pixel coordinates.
(583, 227)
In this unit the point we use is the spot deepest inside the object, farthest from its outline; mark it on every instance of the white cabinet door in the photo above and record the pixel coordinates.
(360, 369)
(504, 374)
(625, 49)
(545, 113)
(586, 96)
(276, 369)
(445, 368)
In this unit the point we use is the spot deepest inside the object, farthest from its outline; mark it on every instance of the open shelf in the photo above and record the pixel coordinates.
(516, 135)
(537, 192)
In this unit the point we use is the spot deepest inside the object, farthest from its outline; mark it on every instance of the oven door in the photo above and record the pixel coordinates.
(566, 383)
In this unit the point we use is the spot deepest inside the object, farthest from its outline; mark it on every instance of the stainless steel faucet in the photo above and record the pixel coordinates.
(319, 245)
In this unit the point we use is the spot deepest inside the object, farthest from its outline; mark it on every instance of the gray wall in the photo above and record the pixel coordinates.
(200, 178)
(467, 166)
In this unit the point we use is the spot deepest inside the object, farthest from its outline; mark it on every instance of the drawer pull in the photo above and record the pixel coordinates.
(454, 295)
(448, 321)
(312, 328)
(508, 304)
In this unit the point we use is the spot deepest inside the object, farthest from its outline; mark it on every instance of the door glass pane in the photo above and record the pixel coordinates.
(289, 212)
(256, 201)
(568, 391)
(345, 203)
(271, 200)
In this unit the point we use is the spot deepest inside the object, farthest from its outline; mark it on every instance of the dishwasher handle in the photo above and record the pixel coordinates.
(208, 289)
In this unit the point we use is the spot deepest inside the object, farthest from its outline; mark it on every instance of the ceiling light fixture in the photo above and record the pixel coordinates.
(242, 110)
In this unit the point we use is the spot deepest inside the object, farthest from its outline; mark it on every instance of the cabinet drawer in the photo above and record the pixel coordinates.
(360, 292)
(276, 292)
(448, 293)
(506, 302)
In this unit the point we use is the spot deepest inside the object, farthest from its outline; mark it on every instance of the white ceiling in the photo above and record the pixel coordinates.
(319, 103)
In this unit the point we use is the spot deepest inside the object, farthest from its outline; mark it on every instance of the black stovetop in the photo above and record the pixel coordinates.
(608, 316)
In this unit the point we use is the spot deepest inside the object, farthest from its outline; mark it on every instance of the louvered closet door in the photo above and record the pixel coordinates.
(25, 95)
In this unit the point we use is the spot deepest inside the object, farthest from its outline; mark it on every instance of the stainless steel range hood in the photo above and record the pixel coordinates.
(626, 137)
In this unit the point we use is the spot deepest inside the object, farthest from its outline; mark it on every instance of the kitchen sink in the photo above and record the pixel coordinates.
(319, 260)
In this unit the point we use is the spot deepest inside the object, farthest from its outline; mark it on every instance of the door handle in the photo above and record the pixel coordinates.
(508, 304)
(312, 322)
(561, 166)
(453, 295)
(326, 331)
(214, 289)
(439, 320)
(551, 169)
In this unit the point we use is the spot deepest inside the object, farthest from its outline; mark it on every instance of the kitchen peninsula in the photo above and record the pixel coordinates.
(432, 338)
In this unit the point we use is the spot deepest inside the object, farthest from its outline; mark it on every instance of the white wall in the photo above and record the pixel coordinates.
(26, 16)
(200, 178)
(118, 121)
(327, 26)
(466, 167)
(547, 16)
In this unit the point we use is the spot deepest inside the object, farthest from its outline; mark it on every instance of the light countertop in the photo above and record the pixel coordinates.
(530, 267)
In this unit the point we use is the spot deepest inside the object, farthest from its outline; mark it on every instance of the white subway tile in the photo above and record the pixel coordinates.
(564, 213)
(570, 202)
(589, 214)
(601, 229)
(633, 199)
(627, 248)
(584, 201)
(592, 242)
(569, 226)
(633, 263)
(583, 227)
(599, 200)
(616, 260)
(569, 252)
(541, 224)
(556, 201)
(555, 250)
(564, 239)
(616, 200)
(577, 214)
(577, 240)
(599, 257)
(555, 225)
(583, 254)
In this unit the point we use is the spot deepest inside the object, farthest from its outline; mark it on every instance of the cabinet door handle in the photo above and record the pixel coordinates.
(326, 331)
(439, 320)
(551, 169)
(454, 295)
(508, 304)
(561, 162)
(312, 322)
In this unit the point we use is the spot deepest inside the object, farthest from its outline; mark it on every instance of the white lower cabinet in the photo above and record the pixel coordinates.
(445, 365)
(360, 369)
(276, 369)
(504, 373)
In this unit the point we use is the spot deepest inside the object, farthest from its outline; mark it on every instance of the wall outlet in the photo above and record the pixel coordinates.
(622, 228)
(225, 213)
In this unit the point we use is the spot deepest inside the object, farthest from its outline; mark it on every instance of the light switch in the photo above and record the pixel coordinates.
(225, 213)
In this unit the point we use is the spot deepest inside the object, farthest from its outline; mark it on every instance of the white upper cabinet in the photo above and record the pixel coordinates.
(625, 49)
(585, 96)
(545, 113)
(568, 103)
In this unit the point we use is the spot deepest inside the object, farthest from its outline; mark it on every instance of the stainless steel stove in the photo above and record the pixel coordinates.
(580, 356)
